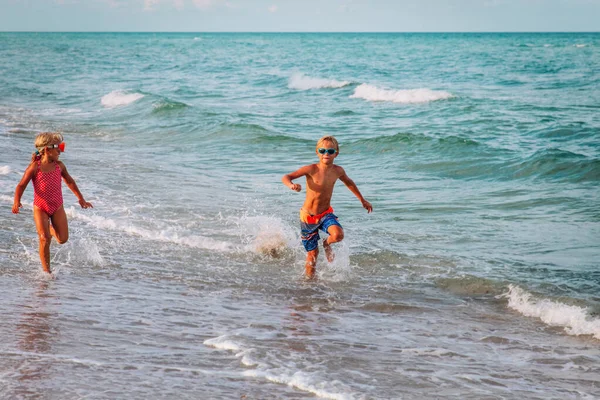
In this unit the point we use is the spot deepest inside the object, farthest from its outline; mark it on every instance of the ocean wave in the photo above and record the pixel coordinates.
(306, 382)
(404, 96)
(118, 98)
(303, 82)
(252, 133)
(290, 375)
(462, 157)
(556, 164)
(410, 142)
(565, 133)
(575, 320)
(449, 157)
(5, 170)
(166, 105)
(166, 235)
(470, 286)
(343, 113)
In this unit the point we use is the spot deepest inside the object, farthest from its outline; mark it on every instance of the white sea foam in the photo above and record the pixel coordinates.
(27, 204)
(5, 170)
(57, 111)
(579, 45)
(247, 359)
(171, 235)
(90, 251)
(118, 98)
(223, 343)
(267, 235)
(303, 82)
(406, 96)
(302, 381)
(574, 319)
(307, 382)
(340, 269)
(433, 352)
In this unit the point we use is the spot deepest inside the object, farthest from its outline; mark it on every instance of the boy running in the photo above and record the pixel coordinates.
(316, 212)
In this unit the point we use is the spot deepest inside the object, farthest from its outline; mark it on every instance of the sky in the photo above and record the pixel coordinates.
(300, 15)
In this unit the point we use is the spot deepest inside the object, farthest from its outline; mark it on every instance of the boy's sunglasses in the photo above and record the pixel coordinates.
(328, 151)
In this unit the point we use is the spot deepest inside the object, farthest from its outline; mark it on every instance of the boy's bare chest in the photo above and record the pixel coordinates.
(321, 181)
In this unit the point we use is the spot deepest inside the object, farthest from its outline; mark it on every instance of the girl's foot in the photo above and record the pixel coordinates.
(53, 232)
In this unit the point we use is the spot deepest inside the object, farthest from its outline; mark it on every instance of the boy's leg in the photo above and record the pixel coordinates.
(311, 263)
(42, 224)
(336, 234)
(60, 227)
(310, 241)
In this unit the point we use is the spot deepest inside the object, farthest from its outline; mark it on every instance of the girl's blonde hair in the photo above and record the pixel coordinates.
(44, 139)
(329, 139)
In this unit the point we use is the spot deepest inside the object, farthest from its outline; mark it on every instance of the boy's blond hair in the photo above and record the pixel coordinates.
(44, 139)
(331, 139)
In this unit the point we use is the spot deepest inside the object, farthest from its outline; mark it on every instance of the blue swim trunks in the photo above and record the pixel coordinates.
(310, 225)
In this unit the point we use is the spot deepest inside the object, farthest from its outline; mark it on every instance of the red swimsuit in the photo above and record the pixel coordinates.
(47, 189)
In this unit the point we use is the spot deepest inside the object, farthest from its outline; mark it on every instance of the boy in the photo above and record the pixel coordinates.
(316, 212)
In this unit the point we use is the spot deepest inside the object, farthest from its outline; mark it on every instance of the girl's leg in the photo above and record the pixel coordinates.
(42, 224)
(336, 234)
(60, 226)
(311, 262)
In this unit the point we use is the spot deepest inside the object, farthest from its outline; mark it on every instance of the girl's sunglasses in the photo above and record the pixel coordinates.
(60, 146)
(328, 151)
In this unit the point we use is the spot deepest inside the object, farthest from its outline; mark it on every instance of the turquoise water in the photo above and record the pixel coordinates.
(476, 276)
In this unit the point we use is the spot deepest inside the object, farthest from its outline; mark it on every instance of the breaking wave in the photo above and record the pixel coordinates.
(575, 320)
(405, 96)
(303, 82)
(118, 98)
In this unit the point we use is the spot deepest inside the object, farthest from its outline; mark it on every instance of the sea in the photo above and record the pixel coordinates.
(476, 276)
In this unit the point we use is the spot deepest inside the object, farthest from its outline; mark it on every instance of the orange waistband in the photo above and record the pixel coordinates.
(313, 219)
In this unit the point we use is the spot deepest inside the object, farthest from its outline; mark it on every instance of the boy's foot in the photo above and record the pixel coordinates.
(328, 251)
(309, 271)
(309, 267)
(309, 278)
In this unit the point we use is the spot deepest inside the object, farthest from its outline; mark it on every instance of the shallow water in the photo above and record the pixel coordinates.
(476, 276)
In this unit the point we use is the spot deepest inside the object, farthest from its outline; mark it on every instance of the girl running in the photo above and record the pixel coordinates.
(48, 212)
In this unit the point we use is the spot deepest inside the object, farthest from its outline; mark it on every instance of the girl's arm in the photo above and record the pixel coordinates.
(288, 178)
(22, 186)
(354, 189)
(73, 186)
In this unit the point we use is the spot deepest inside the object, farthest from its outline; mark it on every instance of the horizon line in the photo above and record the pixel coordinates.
(296, 32)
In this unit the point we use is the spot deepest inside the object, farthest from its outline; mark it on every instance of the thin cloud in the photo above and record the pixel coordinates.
(203, 3)
(114, 3)
(150, 4)
(272, 8)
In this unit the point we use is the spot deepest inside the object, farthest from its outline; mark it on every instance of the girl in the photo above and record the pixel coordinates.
(45, 170)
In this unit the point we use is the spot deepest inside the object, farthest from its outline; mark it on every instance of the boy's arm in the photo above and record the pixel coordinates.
(354, 189)
(22, 186)
(73, 186)
(288, 178)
